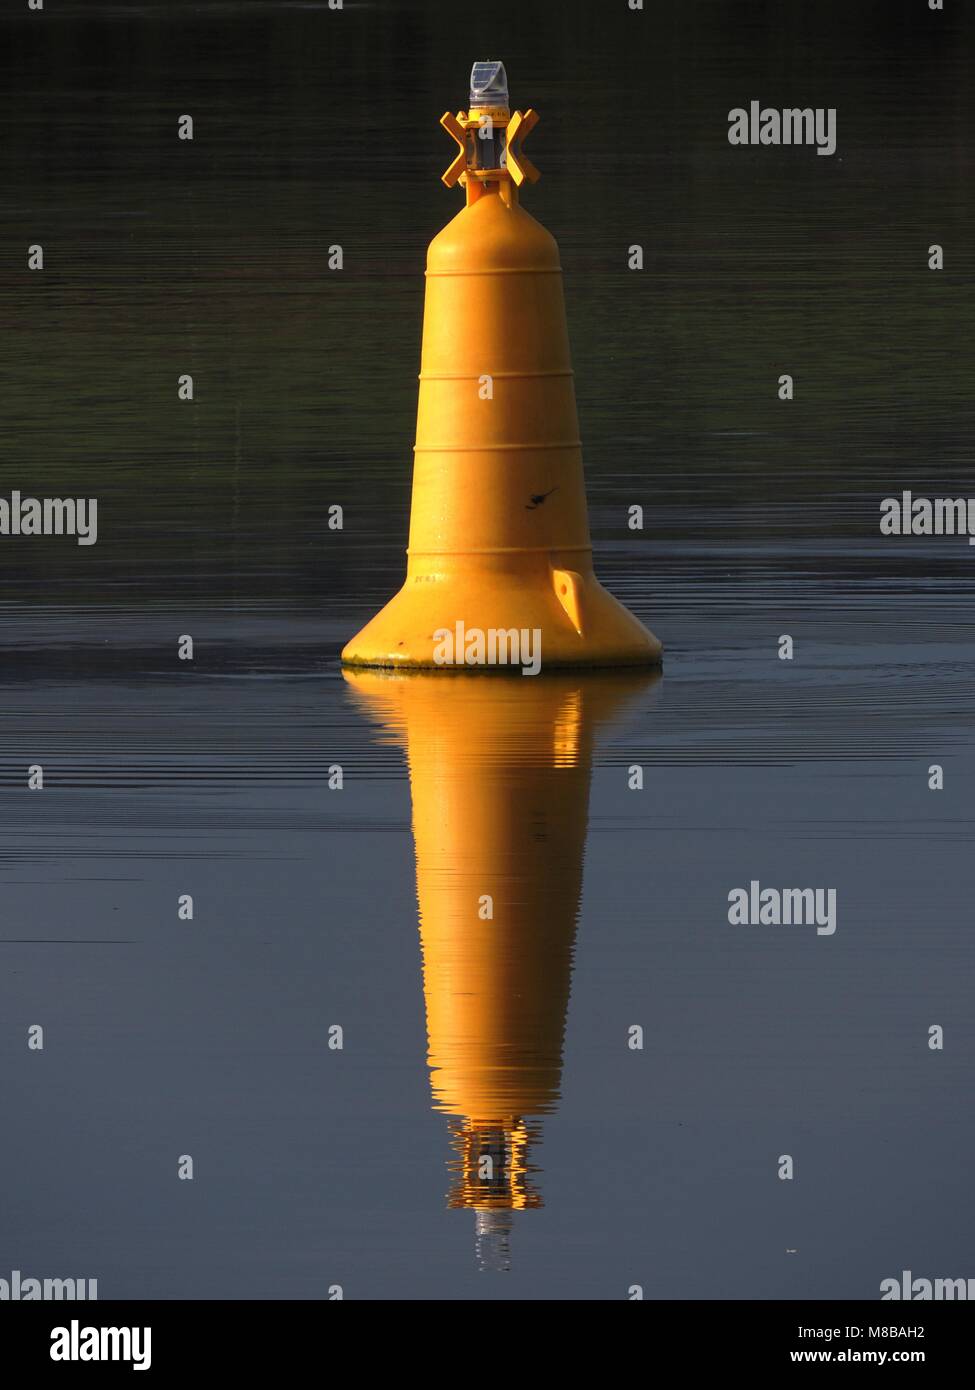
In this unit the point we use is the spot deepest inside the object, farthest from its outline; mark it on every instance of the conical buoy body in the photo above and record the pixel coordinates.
(499, 534)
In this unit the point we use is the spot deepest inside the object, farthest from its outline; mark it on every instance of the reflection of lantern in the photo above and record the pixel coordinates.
(499, 773)
(499, 533)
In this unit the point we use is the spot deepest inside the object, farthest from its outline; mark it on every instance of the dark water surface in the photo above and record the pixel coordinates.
(316, 907)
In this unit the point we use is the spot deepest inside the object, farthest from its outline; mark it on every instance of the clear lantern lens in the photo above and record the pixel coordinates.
(489, 85)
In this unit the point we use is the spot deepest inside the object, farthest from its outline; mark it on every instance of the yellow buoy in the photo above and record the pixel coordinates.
(499, 553)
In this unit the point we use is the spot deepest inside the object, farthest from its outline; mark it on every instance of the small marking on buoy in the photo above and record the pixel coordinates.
(539, 498)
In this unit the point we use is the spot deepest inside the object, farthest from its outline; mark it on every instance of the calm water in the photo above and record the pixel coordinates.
(316, 907)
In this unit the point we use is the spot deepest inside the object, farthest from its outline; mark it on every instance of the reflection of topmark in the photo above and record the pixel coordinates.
(50, 516)
(927, 516)
(498, 646)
